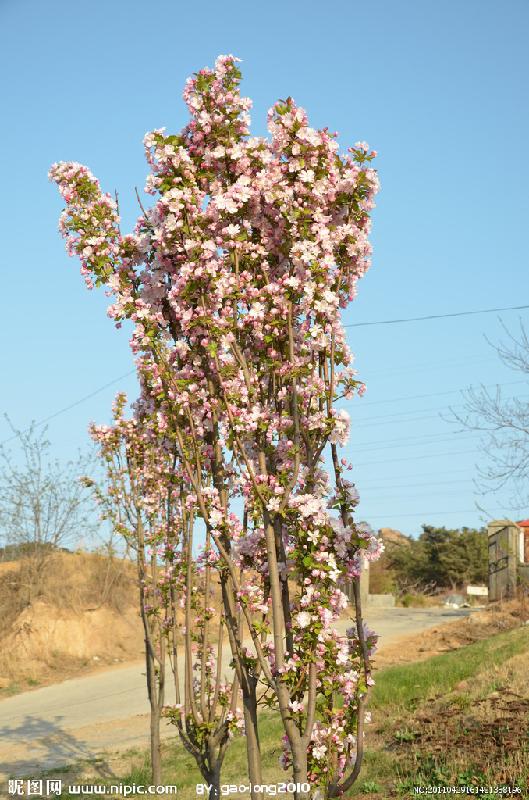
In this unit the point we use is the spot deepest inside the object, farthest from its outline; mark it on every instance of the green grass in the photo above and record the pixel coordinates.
(183, 771)
(139, 773)
(9, 691)
(397, 689)
(404, 686)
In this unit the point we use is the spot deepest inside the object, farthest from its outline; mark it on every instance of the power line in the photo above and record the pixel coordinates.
(391, 417)
(432, 474)
(386, 495)
(350, 325)
(391, 487)
(438, 409)
(440, 394)
(72, 405)
(426, 366)
(400, 421)
(422, 514)
(435, 316)
(370, 422)
(421, 439)
(447, 439)
(377, 485)
(416, 458)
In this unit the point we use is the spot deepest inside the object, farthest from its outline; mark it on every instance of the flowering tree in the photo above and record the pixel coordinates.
(235, 279)
(145, 501)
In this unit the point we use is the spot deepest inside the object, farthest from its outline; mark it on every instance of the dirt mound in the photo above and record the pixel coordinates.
(479, 625)
(72, 612)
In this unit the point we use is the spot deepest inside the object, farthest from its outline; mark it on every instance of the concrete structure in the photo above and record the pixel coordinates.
(368, 600)
(508, 566)
(477, 591)
(524, 540)
(364, 582)
(381, 601)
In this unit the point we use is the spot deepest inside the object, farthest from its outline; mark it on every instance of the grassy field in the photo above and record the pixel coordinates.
(457, 719)
(404, 686)
(461, 718)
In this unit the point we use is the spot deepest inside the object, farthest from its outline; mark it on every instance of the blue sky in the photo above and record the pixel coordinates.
(439, 89)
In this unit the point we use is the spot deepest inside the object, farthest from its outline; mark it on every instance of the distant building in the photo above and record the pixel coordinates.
(508, 558)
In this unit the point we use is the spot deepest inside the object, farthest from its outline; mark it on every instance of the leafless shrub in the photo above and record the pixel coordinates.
(504, 423)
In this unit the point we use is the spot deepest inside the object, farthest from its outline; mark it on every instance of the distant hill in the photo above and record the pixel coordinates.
(393, 536)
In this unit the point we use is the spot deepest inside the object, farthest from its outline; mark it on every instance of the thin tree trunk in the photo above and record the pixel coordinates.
(213, 780)
(156, 745)
(300, 770)
(154, 687)
(156, 754)
(253, 748)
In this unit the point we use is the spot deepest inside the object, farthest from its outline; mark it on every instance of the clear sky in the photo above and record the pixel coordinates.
(439, 89)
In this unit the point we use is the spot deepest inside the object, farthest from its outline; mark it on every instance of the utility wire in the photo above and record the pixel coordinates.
(416, 458)
(68, 408)
(350, 325)
(423, 513)
(439, 394)
(361, 423)
(435, 316)
(413, 485)
(448, 439)
(428, 495)
(422, 475)
(425, 366)
(424, 438)
(387, 421)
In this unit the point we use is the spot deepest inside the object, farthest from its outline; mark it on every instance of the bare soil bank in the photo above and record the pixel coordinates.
(73, 612)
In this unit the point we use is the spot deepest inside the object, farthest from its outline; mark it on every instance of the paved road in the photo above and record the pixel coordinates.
(80, 718)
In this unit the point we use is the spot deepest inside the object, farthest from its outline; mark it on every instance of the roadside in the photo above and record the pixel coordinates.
(36, 663)
(79, 719)
(460, 718)
(459, 628)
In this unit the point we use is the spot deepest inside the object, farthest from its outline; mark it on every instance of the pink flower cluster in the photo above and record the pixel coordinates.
(234, 280)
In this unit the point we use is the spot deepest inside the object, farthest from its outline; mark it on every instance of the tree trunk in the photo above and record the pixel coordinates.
(213, 780)
(156, 746)
(300, 771)
(156, 754)
(253, 750)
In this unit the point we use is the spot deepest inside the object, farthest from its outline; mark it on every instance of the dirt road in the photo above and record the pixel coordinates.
(79, 718)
